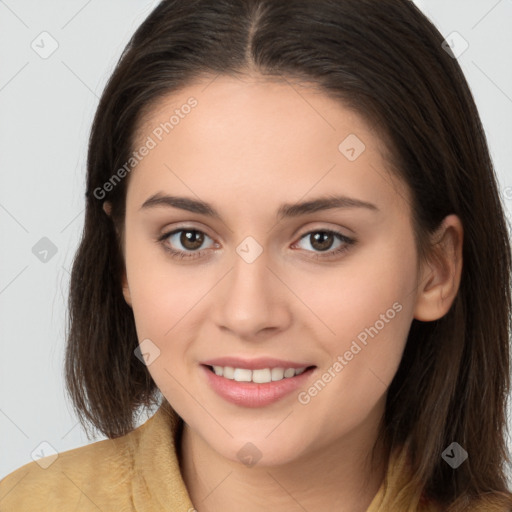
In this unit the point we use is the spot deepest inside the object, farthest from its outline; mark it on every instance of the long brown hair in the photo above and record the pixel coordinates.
(385, 60)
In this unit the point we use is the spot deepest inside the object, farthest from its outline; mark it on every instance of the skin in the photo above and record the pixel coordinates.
(249, 146)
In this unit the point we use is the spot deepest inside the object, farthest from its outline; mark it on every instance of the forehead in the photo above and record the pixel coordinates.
(258, 139)
(271, 105)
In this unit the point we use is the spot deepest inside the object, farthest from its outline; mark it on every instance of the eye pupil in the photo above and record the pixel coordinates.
(325, 240)
(191, 239)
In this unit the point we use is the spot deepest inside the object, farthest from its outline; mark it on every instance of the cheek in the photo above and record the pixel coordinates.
(369, 310)
(368, 307)
(162, 296)
(159, 292)
(365, 285)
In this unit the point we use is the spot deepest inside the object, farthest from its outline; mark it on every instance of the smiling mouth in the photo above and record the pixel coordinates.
(259, 376)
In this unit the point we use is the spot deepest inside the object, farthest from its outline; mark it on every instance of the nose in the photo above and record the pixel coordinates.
(253, 301)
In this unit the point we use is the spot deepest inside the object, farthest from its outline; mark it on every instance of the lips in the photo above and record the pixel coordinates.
(248, 382)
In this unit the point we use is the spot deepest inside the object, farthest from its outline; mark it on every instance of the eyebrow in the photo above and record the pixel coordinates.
(286, 210)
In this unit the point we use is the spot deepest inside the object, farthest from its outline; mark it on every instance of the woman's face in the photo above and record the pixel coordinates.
(265, 279)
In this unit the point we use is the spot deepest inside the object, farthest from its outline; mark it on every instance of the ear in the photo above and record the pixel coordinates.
(107, 207)
(126, 289)
(440, 277)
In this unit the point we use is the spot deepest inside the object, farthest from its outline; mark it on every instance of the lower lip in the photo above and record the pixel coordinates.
(251, 394)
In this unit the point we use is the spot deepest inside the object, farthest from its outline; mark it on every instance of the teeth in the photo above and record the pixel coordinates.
(261, 376)
(277, 373)
(242, 375)
(228, 372)
(290, 372)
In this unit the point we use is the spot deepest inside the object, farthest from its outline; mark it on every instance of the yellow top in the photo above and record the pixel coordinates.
(138, 472)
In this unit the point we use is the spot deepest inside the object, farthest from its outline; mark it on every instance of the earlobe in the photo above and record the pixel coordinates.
(126, 290)
(107, 207)
(440, 279)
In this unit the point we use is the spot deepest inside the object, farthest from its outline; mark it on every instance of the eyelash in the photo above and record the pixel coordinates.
(180, 255)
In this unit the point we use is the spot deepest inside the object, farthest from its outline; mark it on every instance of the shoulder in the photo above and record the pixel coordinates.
(75, 479)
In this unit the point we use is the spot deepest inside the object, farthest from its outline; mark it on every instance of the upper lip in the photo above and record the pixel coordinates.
(254, 364)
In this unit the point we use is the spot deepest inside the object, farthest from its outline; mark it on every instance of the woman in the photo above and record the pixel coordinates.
(295, 247)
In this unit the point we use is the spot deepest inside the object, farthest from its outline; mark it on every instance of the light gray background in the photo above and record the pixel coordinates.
(46, 109)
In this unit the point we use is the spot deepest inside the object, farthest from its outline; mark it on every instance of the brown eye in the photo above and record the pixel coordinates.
(321, 240)
(184, 243)
(191, 239)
